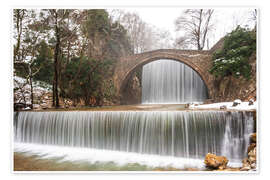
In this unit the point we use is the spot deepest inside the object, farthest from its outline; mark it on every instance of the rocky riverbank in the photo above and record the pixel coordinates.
(219, 163)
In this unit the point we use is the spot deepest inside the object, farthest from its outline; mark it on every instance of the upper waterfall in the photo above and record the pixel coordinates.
(171, 82)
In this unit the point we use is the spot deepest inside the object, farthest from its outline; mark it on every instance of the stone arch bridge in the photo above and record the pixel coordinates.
(200, 61)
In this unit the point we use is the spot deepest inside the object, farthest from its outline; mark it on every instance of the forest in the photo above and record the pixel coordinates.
(72, 52)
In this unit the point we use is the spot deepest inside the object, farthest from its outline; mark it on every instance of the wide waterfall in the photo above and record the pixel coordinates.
(171, 82)
(187, 134)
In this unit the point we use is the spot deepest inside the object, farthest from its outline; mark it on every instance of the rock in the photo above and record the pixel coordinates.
(213, 161)
(253, 138)
(252, 155)
(251, 147)
(36, 106)
(246, 168)
(46, 98)
(245, 162)
(253, 165)
(236, 102)
(19, 106)
(250, 102)
(249, 163)
(223, 107)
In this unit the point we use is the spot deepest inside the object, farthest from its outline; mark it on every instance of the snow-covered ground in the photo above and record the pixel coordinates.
(229, 105)
(22, 89)
(36, 84)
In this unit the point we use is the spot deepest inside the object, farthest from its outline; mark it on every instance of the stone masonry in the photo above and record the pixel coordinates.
(200, 61)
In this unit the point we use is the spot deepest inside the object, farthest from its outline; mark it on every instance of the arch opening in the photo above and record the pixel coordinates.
(127, 78)
(167, 81)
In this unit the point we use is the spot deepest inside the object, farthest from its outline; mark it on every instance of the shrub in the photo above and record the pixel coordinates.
(233, 58)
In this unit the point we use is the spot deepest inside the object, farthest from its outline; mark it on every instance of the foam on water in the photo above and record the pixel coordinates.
(164, 138)
(105, 156)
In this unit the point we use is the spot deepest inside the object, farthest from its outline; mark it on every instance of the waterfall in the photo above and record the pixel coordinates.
(187, 134)
(172, 82)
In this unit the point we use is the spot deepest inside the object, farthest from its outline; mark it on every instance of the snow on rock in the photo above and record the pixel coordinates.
(251, 102)
(236, 102)
(229, 105)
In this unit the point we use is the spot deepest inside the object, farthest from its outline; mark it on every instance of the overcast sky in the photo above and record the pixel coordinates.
(225, 19)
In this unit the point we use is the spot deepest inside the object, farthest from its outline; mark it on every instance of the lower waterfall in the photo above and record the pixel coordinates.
(187, 134)
(171, 82)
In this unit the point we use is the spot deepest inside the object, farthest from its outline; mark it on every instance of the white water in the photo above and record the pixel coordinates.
(155, 138)
(171, 82)
(120, 158)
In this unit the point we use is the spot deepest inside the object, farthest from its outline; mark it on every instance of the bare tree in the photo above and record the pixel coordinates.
(181, 43)
(140, 33)
(254, 17)
(196, 23)
(162, 39)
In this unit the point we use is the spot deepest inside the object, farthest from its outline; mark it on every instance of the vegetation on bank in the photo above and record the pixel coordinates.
(72, 50)
(233, 58)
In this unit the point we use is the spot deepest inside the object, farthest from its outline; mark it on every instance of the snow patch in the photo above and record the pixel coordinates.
(229, 105)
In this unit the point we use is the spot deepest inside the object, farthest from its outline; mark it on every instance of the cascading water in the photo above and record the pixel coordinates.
(171, 82)
(187, 134)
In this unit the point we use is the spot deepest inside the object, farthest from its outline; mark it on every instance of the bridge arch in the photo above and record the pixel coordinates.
(197, 60)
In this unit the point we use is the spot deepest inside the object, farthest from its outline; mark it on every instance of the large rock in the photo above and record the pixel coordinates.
(213, 161)
(249, 163)
(252, 156)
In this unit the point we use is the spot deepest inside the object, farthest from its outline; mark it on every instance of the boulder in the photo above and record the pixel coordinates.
(213, 161)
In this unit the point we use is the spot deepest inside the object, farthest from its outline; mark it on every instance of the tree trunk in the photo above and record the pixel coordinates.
(56, 58)
(31, 89)
(31, 85)
(53, 92)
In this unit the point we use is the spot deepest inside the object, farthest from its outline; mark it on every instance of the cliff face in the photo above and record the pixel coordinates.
(133, 92)
(231, 88)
